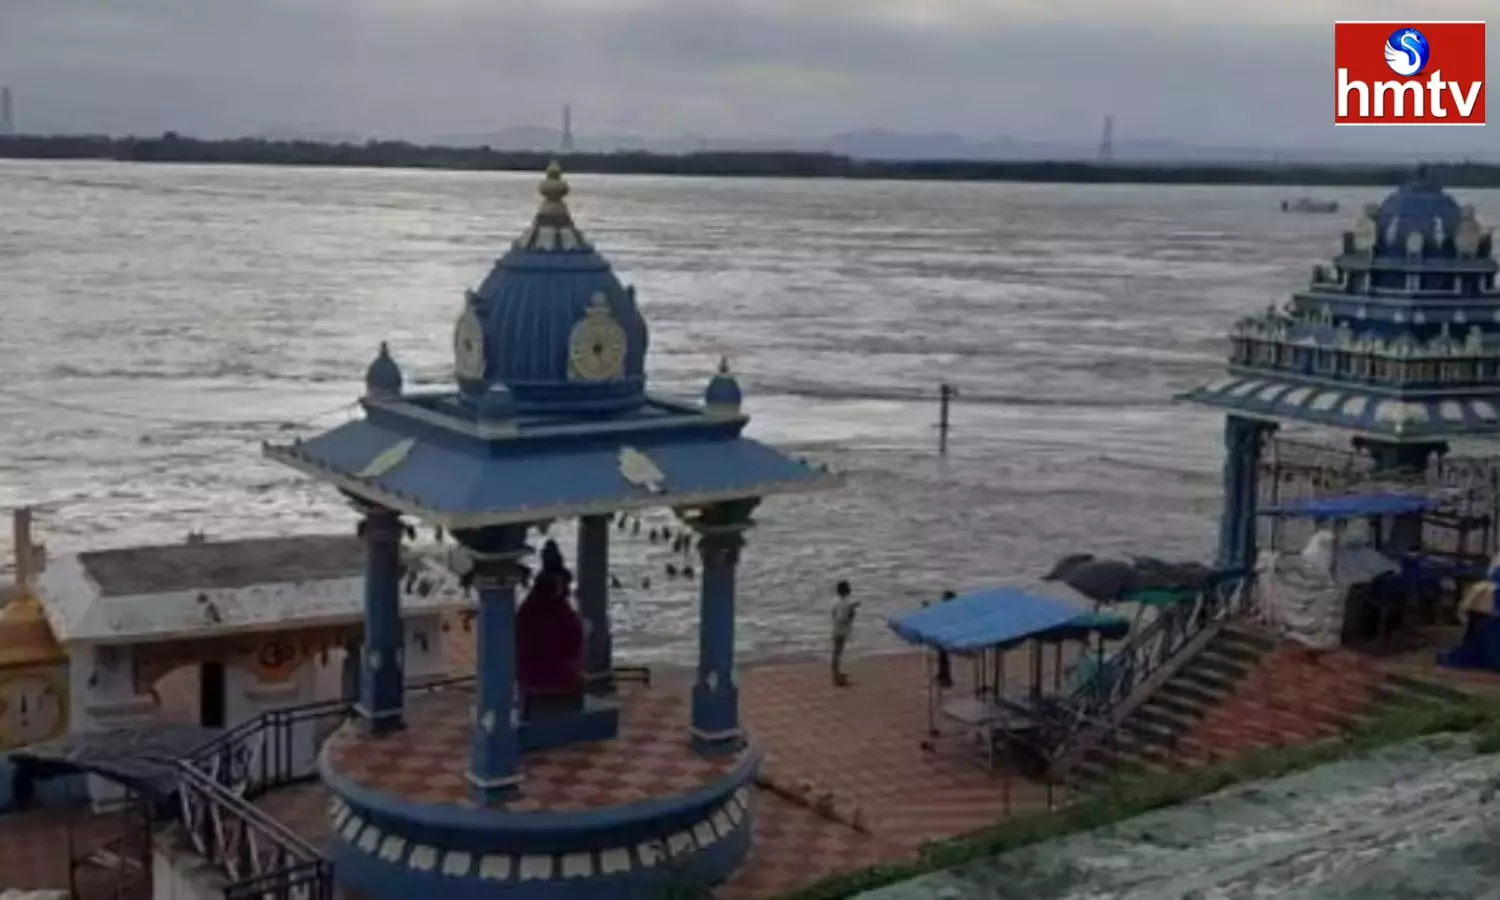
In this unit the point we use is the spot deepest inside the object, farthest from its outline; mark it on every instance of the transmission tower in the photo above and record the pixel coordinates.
(1107, 140)
(567, 129)
(7, 112)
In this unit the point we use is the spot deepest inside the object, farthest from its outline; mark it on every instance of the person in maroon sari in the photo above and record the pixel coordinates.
(550, 640)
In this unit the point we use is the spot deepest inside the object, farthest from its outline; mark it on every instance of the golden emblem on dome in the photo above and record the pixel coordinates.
(1470, 232)
(597, 345)
(33, 707)
(1364, 229)
(1415, 241)
(468, 344)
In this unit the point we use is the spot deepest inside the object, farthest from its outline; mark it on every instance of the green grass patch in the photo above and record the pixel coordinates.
(1128, 797)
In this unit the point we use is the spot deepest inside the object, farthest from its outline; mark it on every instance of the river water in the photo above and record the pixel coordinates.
(161, 321)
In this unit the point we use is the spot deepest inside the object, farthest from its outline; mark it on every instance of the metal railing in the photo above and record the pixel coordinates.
(1292, 469)
(262, 858)
(261, 754)
(1095, 708)
(219, 781)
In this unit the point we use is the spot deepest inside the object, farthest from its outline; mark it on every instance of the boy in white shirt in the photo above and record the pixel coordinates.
(844, 608)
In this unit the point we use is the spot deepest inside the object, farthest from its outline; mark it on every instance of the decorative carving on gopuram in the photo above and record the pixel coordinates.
(1398, 338)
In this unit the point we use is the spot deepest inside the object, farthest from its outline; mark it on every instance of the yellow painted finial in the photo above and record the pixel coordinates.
(26, 638)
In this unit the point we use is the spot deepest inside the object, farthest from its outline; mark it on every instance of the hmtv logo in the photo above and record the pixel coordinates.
(1417, 73)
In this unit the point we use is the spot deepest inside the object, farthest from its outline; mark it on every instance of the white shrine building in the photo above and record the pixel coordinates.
(212, 633)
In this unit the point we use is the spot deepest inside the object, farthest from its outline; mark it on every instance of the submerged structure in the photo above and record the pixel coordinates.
(545, 781)
(1396, 343)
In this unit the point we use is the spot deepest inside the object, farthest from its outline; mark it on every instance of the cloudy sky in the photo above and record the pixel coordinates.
(1204, 72)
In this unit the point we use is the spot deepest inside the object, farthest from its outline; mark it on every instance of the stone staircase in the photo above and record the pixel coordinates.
(1244, 691)
(1149, 736)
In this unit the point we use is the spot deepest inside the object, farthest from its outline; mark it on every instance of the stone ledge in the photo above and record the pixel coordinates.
(814, 797)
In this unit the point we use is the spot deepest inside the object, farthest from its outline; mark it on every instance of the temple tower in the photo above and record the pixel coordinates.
(1397, 343)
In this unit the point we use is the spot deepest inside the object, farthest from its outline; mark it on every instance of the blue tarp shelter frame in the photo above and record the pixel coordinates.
(999, 618)
(985, 625)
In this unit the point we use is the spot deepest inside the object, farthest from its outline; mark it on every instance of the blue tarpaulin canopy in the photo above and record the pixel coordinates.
(1352, 506)
(995, 617)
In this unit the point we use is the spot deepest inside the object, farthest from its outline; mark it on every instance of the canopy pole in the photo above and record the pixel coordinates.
(1000, 692)
(934, 694)
(1036, 668)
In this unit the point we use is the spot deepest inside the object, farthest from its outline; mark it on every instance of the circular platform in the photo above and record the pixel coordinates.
(612, 819)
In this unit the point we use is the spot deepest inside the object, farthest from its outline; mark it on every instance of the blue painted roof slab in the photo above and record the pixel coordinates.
(996, 617)
(550, 417)
(416, 456)
(1399, 418)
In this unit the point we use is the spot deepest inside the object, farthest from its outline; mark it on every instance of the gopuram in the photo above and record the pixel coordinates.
(545, 781)
(1397, 343)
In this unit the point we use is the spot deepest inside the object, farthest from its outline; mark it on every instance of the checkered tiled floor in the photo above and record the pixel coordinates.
(303, 808)
(427, 762)
(794, 848)
(865, 744)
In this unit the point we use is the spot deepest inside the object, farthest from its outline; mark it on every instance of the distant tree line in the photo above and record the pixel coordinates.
(174, 148)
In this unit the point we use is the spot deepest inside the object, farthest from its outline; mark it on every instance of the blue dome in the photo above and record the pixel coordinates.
(723, 392)
(1418, 207)
(560, 331)
(383, 377)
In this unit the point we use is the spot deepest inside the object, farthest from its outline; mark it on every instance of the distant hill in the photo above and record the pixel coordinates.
(886, 145)
(173, 147)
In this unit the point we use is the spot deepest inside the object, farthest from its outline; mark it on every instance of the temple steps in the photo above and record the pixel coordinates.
(1150, 736)
(1247, 691)
(1404, 689)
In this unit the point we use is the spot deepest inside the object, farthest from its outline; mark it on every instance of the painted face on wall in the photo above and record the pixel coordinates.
(31, 711)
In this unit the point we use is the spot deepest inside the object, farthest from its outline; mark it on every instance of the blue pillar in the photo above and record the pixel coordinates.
(1243, 439)
(716, 698)
(381, 681)
(495, 745)
(593, 602)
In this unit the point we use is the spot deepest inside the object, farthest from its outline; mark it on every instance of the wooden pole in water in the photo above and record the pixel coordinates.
(946, 393)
